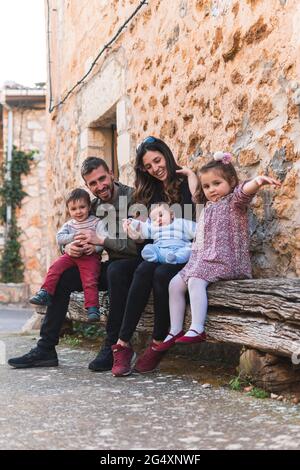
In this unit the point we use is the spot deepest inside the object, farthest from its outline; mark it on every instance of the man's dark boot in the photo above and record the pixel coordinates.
(103, 361)
(35, 358)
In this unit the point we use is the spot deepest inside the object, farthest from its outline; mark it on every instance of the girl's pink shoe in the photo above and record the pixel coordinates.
(199, 338)
(168, 344)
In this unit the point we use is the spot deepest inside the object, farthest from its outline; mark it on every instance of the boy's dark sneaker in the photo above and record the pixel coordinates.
(35, 358)
(42, 297)
(124, 358)
(103, 361)
(149, 360)
(93, 314)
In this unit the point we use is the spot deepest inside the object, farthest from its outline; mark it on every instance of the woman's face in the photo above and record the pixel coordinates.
(155, 164)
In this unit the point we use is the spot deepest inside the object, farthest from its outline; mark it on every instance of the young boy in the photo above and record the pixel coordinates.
(78, 204)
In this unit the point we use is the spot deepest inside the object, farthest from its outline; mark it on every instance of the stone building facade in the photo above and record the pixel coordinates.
(203, 75)
(27, 107)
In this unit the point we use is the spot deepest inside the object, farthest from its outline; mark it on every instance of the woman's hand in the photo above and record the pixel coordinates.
(86, 237)
(192, 178)
(185, 170)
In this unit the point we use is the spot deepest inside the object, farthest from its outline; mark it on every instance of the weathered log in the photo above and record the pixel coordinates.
(272, 373)
(77, 312)
(258, 333)
(262, 314)
(275, 298)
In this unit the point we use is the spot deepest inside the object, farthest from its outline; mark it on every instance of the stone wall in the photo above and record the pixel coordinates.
(11, 293)
(29, 133)
(203, 75)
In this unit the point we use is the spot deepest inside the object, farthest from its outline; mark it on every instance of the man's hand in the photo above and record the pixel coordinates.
(74, 249)
(89, 249)
(88, 237)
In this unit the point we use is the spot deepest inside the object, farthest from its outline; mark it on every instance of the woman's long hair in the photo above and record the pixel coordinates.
(146, 186)
(226, 170)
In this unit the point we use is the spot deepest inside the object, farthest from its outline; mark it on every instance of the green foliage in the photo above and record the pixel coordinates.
(88, 331)
(71, 341)
(236, 383)
(81, 332)
(11, 194)
(240, 382)
(11, 266)
(258, 393)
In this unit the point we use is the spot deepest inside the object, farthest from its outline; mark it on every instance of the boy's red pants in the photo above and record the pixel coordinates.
(89, 269)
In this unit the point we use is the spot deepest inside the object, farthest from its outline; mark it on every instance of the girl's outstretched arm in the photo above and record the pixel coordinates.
(252, 186)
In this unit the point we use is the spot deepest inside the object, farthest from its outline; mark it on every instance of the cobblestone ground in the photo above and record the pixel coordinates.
(69, 407)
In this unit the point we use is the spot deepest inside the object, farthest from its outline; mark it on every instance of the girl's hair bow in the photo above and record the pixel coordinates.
(224, 157)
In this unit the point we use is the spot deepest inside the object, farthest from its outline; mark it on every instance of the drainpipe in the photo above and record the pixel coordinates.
(8, 162)
(113, 128)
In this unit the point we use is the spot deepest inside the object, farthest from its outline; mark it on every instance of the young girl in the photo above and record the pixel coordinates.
(220, 250)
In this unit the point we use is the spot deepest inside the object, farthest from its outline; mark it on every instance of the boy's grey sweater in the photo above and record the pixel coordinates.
(68, 231)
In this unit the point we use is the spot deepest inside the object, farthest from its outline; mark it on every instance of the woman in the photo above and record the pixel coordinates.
(158, 178)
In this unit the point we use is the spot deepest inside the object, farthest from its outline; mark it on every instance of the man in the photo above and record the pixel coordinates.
(112, 200)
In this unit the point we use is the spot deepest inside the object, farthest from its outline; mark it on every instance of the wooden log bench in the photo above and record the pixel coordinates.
(260, 314)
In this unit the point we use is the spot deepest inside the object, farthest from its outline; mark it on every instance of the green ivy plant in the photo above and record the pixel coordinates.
(12, 194)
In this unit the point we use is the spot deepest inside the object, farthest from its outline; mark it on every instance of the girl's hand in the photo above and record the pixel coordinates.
(264, 180)
(252, 186)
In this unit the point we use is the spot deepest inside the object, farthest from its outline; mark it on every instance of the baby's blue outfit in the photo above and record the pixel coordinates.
(171, 243)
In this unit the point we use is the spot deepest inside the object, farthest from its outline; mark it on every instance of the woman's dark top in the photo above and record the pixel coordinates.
(186, 200)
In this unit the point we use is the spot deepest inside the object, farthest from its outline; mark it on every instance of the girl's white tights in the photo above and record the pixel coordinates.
(198, 299)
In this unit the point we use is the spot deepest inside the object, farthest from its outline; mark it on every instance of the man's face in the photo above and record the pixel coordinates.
(100, 183)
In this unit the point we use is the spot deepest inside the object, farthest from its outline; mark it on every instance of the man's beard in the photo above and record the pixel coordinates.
(106, 192)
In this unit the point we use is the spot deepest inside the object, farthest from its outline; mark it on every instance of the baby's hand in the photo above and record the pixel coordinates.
(264, 180)
(133, 233)
(126, 223)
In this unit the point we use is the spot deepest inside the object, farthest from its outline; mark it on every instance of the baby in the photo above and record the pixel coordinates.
(78, 204)
(171, 236)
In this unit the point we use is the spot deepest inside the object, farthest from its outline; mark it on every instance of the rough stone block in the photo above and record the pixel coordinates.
(13, 293)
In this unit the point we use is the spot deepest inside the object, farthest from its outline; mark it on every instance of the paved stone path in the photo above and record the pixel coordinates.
(12, 318)
(70, 407)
